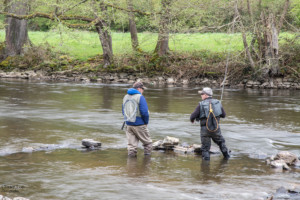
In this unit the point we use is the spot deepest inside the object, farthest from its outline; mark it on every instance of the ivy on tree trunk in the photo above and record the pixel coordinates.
(16, 29)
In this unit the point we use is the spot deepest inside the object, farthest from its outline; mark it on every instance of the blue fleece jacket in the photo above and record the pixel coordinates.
(144, 119)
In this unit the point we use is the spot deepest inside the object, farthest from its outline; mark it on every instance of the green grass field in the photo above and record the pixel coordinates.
(83, 44)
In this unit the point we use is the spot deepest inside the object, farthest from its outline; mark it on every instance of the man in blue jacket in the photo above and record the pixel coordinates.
(136, 116)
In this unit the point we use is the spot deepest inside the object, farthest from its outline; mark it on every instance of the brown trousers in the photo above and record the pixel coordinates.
(134, 135)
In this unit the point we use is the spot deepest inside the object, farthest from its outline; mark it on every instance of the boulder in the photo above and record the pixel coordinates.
(170, 141)
(167, 144)
(185, 150)
(90, 143)
(170, 81)
(287, 157)
(195, 148)
(185, 81)
(20, 198)
(281, 164)
(158, 145)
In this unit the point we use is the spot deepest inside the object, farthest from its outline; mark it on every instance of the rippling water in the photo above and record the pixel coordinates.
(59, 115)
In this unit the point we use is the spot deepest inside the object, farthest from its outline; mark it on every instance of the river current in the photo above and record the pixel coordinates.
(57, 116)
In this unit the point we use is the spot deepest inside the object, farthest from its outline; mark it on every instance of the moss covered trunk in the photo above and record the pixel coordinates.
(16, 30)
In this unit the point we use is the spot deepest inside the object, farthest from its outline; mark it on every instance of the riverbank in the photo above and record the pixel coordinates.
(130, 78)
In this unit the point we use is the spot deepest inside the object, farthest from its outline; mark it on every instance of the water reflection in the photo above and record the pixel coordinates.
(138, 167)
(212, 171)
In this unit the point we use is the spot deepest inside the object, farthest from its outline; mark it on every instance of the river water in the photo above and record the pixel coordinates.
(57, 116)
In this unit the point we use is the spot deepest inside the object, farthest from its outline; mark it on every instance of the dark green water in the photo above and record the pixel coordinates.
(59, 115)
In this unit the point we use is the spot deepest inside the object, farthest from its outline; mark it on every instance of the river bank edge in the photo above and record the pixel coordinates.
(169, 80)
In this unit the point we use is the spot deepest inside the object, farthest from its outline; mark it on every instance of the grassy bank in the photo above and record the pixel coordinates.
(82, 44)
(193, 55)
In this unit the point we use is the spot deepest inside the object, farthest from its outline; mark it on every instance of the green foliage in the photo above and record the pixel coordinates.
(2, 23)
(37, 57)
(40, 24)
(290, 55)
(295, 12)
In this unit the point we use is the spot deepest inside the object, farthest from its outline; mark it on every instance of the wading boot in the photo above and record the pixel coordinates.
(226, 155)
(205, 155)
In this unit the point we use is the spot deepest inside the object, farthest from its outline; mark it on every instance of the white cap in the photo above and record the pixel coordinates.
(206, 90)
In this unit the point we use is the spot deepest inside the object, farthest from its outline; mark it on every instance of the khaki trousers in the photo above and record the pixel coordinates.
(136, 133)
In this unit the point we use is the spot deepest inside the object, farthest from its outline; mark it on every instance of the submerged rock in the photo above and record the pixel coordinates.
(90, 143)
(44, 147)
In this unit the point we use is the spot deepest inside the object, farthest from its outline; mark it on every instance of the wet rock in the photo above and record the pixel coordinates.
(158, 145)
(197, 148)
(170, 141)
(28, 149)
(170, 81)
(185, 81)
(287, 157)
(90, 143)
(281, 164)
(283, 160)
(185, 150)
(167, 144)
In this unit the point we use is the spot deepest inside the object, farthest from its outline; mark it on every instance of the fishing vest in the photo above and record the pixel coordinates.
(131, 111)
(204, 108)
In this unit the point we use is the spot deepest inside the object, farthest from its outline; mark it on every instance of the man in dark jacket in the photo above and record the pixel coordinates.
(202, 113)
(136, 116)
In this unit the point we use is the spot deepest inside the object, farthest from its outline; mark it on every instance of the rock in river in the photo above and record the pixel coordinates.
(283, 160)
(90, 143)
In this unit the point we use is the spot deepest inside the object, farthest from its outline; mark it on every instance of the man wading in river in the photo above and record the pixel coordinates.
(209, 111)
(136, 116)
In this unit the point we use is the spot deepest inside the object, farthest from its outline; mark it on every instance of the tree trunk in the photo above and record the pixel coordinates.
(271, 48)
(16, 34)
(162, 46)
(244, 37)
(132, 27)
(103, 30)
